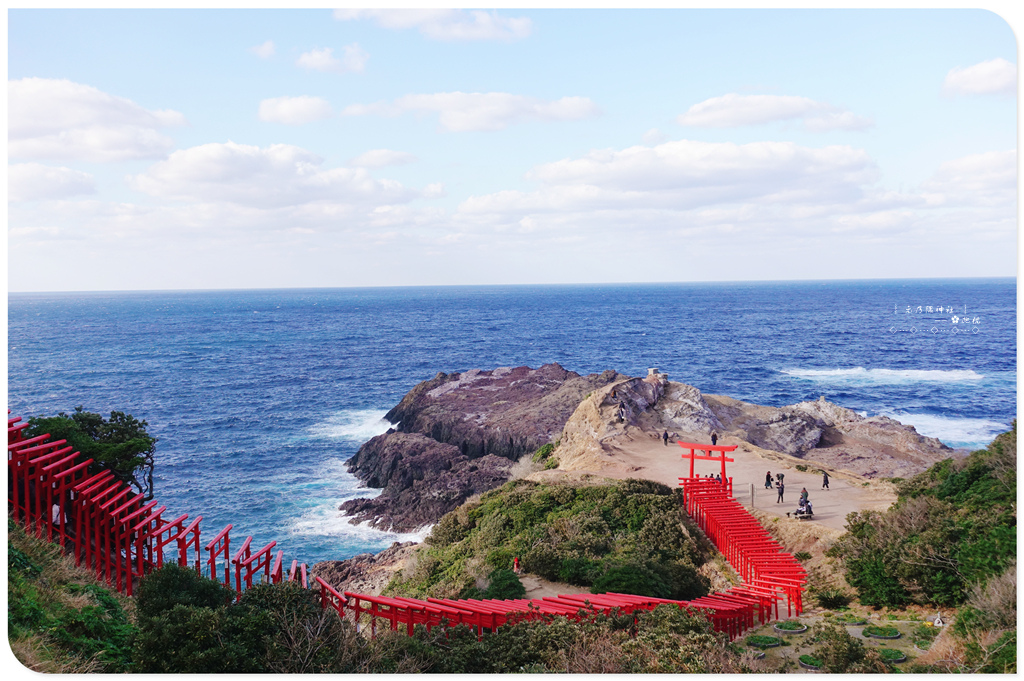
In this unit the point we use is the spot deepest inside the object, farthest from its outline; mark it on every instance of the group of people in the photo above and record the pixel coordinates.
(780, 486)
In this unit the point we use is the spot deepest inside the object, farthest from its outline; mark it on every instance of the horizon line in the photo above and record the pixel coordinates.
(513, 285)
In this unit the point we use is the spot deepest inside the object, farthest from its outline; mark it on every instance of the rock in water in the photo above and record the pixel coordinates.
(458, 435)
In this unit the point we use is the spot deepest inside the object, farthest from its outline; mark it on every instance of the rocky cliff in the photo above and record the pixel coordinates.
(459, 434)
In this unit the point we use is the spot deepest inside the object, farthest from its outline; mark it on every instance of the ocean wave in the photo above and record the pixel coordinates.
(353, 425)
(971, 433)
(885, 376)
(328, 522)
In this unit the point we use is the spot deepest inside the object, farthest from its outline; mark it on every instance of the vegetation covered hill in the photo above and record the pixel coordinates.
(626, 536)
(950, 540)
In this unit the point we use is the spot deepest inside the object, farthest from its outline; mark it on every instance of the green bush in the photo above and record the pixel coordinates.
(173, 585)
(504, 585)
(832, 599)
(543, 453)
(632, 579)
(954, 526)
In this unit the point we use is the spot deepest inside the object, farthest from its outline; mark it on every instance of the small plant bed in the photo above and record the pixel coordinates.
(923, 636)
(881, 632)
(790, 627)
(850, 619)
(759, 641)
(810, 662)
(892, 656)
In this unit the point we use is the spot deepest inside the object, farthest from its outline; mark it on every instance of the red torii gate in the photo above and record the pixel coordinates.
(721, 449)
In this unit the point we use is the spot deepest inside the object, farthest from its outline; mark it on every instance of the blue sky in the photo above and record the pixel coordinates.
(194, 149)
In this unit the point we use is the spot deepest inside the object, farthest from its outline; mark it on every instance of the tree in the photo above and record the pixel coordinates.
(119, 444)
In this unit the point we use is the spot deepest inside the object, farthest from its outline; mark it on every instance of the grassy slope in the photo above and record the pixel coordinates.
(60, 619)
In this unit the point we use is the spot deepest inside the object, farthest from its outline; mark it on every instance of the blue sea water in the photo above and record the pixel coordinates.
(259, 397)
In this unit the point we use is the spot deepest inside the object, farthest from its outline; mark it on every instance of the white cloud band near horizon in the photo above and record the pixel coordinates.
(445, 24)
(735, 110)
(481, 111)
(992, 77)
(53, 119)
(262, 177)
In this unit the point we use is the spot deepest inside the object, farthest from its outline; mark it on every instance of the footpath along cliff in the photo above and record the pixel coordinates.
(461, 434)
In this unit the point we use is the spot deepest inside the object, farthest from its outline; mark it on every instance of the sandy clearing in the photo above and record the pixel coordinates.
(642, 454)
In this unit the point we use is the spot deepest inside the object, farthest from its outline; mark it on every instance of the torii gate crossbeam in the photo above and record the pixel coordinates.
(721, 449)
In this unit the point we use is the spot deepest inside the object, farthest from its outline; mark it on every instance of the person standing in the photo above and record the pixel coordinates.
(803, 495)
(782, 488)
(714, 438)
(824, 479)
(768, 480)
(664, 436)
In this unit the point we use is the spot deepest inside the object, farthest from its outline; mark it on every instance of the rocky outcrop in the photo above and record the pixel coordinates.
(819, 430)
(422, 479)
(366, 573)
(459, 434)
(506, 412)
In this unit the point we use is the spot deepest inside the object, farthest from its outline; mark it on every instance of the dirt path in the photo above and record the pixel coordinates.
(644, 455)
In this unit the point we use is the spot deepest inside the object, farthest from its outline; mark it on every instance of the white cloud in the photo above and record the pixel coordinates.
(695, 184)
(265, 50)
(59, 119)
(988, 179)
(258, 178)
(354, 60)
(992, 77)
(709, 195)
(294, 110)
(380, 158)
(473, 111)
(733, 110)
(38, 182)
(446, 24)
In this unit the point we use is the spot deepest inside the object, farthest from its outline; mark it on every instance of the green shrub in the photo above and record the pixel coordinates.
(173, 585)
(802, 555)
(881, 631)
(790, 625)
(543, 453)
(632, 579)
(812, 661)
(891, 655)
(832, 599)
(760, 641)
(504, 585)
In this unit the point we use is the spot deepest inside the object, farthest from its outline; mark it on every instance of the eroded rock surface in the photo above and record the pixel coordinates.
(459, 434)
(366, 573)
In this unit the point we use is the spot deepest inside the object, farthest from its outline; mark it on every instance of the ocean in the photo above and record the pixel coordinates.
(259, 397)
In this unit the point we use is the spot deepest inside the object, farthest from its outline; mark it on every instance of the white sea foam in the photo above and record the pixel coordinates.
(954, 431)
(354, 425)
(885, 376)
(327, 521)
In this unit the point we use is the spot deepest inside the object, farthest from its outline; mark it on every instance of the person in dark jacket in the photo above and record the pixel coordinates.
(824, 480)
(782, 488)
(768, 480)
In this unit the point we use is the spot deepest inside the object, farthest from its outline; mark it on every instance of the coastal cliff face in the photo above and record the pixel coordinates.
(458, 435)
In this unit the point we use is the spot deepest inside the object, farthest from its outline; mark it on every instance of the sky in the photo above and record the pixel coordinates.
(226, 149)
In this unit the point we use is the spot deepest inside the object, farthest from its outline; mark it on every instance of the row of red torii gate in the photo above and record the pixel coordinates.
(121, 537)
